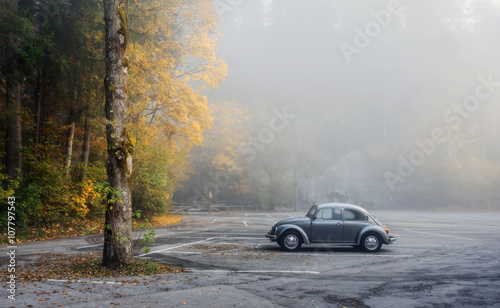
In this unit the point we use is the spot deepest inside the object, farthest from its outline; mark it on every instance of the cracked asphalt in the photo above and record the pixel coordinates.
(439, 260)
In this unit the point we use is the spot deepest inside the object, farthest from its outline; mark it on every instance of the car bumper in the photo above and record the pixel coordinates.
(271, 237)
(392, 240)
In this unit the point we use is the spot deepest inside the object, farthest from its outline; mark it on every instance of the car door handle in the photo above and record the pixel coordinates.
(338, 224)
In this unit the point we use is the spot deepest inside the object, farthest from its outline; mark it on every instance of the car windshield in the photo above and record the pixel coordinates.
(312, 211)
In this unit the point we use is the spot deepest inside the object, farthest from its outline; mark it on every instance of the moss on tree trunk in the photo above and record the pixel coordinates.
(118, 227)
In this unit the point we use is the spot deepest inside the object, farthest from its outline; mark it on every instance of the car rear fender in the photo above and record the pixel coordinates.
(375, 229)
(284, 228)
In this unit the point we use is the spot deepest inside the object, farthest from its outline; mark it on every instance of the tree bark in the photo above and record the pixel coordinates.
(69, 146)
(38, 105)
(118, 226)
(271, 192)
(85, 149)
(13, 142)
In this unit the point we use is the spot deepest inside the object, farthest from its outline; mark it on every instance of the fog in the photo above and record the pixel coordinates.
(385, 104)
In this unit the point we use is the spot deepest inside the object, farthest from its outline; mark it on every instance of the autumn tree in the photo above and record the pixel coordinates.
(58, 63)
(13, 38)
(118, 225)
(172, 59)
(218, 162)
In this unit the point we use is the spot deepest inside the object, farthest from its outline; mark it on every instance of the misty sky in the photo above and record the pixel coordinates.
(289, 53)
(367, 76)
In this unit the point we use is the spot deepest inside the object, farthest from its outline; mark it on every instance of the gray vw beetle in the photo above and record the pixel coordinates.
(333, 223)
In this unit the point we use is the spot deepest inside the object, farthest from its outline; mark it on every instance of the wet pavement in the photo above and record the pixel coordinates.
(439, 260)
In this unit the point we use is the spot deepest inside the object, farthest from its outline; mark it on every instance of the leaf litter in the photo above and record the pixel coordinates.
(82, 266)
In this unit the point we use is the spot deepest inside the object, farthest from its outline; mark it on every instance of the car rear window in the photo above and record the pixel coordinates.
(329, 214)
(353, 215)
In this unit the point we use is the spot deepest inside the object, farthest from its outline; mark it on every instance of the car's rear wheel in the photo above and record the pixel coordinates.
(371, 242)
(290, 241)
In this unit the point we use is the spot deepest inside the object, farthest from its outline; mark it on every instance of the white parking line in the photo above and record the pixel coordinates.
(334, 254)
(213, 221)
(187, 252)
(444, 235)
(245, 238)
(361, 255)
(420, 246)
(282, 272)
(268, 215)
(174, 247)
(89, 246)
(68, 280)
(260, 272)
(245, 223)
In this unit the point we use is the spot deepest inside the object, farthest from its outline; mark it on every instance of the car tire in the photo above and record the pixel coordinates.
(290, 241)
(371, 242)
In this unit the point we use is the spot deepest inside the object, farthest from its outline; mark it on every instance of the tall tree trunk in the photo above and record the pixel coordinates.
(38, 105)
(85, 149)
(271, 191)
(69, 146)
(71, 132)
(13, 142)
(13, 156)
(118, 232)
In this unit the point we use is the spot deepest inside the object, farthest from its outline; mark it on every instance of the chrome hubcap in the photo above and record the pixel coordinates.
(371, 242)
(291, 241)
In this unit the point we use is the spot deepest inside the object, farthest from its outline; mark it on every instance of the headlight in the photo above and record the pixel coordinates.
(273, 230)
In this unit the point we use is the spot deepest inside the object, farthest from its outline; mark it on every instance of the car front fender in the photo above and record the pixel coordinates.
(283, 228)
(375, 229)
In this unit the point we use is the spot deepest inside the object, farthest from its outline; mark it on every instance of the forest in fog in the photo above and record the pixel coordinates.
(389, 103)
(278, 104)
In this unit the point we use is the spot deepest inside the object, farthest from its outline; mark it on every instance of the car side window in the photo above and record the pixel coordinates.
(329, 214)
(324, 214)
(354, 215)
(337, 214)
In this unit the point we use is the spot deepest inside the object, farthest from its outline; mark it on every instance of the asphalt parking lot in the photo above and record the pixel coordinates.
(439, 260)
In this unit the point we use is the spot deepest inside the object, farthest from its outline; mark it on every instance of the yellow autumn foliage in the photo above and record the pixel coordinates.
(221, 145)
(171, 59)
(88, 195)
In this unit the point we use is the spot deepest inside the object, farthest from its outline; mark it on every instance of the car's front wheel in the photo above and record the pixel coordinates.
(371, 242)
(290, 241)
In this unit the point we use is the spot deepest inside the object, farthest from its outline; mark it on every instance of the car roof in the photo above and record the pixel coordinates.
(341, 205)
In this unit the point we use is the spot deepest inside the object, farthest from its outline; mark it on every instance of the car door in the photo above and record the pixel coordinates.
(354, 221)
(327, 226)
